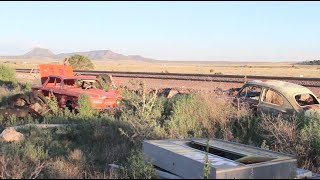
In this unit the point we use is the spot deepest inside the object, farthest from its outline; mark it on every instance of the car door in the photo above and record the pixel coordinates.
(273, 102)
(249, 96)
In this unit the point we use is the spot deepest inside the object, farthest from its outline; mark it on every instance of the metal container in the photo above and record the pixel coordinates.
(228, 160)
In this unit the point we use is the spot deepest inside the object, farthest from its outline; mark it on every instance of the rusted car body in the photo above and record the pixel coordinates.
(277, 97)
(59, 80)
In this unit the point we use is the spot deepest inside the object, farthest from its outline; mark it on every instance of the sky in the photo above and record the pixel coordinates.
(165, 30)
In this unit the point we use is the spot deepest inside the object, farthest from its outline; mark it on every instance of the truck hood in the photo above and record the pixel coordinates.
(312, 110)
(93, 93)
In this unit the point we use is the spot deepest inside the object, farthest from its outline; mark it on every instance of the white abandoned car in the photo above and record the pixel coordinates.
(277, 97)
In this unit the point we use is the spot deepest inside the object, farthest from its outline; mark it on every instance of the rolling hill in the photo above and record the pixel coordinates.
(94, 55)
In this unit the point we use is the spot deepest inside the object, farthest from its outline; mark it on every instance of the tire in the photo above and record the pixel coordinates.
(20, 100)
(31, 97)
(105, 78)
(40, 98)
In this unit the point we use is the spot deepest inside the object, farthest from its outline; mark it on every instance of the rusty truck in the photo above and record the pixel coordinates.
(61, 82)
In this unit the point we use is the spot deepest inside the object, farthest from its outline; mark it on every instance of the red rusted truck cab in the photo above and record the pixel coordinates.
(59, 80)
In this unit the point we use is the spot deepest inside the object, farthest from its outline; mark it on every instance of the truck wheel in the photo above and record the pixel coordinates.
(20, 100)
(40, 98)
(105, 78)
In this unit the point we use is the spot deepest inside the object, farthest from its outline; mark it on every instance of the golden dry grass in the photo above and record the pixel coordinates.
(252, 68)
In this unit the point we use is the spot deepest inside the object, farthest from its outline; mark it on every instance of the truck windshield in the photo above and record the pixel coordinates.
(82, 83)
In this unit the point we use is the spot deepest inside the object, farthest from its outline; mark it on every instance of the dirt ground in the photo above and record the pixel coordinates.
(207, 87)
(268, 69)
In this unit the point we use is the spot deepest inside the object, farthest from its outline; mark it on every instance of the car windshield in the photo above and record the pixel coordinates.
(306, 99)
(82, 83)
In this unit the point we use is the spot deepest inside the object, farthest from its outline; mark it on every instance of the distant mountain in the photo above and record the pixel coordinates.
(39, 52)
(94, 55)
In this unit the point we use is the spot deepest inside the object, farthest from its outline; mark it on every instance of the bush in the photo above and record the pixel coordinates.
(200, 115)
(75, 151)
(7, 74)
(15, 167)
(310, 140)
(80, 151)
(79, 62)
(312, 62)
(53, 104)
(137, 168)
(297, 135)
(187, 113)
(84, 105)
(143, 112)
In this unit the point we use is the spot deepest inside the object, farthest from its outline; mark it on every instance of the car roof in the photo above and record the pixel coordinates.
(285, 88)
(74, 77)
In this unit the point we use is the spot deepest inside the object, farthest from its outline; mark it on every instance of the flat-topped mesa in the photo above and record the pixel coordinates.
(39, 52)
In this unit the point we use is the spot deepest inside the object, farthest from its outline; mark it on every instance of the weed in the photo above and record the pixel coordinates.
(137, 168)
(84, 104)
(7, 74)
(52, 102)
(142, 111)
(207, 163)
(83, 150)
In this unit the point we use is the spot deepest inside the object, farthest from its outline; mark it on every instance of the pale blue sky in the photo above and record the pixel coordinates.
(235, 31)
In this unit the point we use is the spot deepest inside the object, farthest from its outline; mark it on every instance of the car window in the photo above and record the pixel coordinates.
(306, 99)
(69, 83)
(54, 82)
(58, 82)
(51, 80)
(250, 92)
(273, 97)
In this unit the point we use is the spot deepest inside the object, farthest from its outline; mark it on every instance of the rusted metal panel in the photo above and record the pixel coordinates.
(55, 69)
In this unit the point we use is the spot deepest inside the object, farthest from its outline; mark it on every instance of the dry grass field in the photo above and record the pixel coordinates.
(234, 68)
(99, 139)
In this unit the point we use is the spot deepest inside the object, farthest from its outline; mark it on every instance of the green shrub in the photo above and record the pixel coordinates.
(137, 168)
(17, 167)
(310, 139)
(27, 86)
(200, 115)
(297, 135)
(53, 104)
(143, 112)
(7, 74)
(84, 105)
(79, 62)
(185, 119)
(146, 115)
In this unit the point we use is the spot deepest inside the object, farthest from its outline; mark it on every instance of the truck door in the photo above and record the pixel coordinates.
(53, 86)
